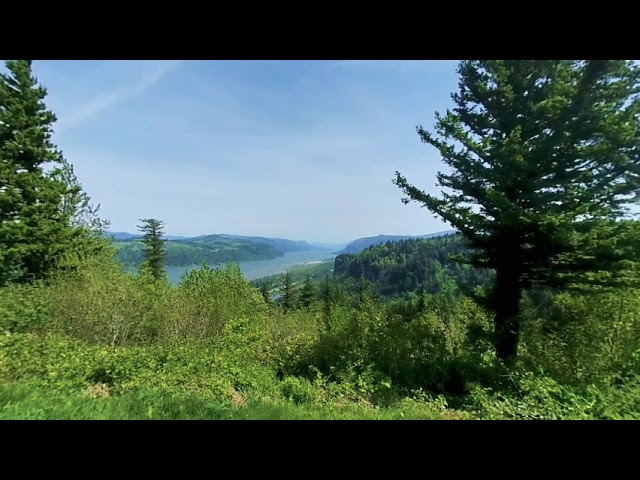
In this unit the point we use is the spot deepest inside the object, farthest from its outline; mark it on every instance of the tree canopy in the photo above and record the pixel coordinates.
(154, 246)
(35, 224)
(544, 166)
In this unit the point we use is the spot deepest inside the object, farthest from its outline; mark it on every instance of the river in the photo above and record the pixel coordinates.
(261, 268)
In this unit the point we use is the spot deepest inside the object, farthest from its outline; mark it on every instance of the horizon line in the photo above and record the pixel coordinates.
(110, 232)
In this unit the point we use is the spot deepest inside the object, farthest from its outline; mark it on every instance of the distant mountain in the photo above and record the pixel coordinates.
(281, 244)
(362, 244)
(120, 236)
(175, 237)
(212, 249)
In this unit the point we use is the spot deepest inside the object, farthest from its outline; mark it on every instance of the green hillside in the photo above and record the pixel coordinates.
(212, 249)
(316, 272)
(406, 266)
(362, 244)
(281, 244)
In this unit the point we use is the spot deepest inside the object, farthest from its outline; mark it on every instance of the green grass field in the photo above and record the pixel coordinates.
(25, 401)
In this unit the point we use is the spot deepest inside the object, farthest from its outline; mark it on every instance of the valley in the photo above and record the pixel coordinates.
(527, 307)
(256, 269)
(258, 257)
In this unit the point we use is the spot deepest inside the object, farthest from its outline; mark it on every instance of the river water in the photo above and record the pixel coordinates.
(261, 268)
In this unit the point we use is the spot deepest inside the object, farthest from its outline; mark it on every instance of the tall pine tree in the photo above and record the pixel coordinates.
(544, 163)
(308, 294)
(328, 295)
(155, 249)
(288, 293)
(264, 291)
(35, 228)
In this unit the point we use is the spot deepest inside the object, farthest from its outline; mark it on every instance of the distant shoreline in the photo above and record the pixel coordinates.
(255, 269)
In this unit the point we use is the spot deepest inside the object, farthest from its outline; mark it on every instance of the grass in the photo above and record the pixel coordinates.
(27, 401)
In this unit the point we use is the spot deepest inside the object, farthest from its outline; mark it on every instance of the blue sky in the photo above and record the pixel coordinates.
(297, 149)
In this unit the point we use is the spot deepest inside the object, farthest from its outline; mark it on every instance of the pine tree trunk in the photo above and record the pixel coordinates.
(508, 292)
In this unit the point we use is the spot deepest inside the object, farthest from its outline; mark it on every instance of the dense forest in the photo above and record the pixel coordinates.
(316, 273)
(532, 311)
(407, 266)
(361, 244)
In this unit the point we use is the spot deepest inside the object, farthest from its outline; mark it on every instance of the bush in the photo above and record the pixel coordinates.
(24, 308)
(299, 390)
(368, 349)
(532, 398)
(585, 339)
(100, 303)
(207, 300)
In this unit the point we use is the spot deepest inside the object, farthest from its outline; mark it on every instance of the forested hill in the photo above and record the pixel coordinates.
(213, 249)
(281, 244)
(405, 266)
(362, 244)
(121, 236)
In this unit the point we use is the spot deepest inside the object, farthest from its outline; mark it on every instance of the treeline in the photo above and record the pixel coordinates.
(183, 254)
(410, 266)
(299, 273)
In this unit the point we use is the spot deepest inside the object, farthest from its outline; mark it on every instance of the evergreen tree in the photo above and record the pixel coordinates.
(155, 249)
(35, 229)
(363, 291)
(89, 228)
(264, 291)
(422, 303)
(77, 203)
(546, 167)
(328, 299)
(288, 293)
(308, 294)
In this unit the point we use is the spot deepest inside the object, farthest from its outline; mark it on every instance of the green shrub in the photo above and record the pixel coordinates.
(299, 390)
(208, 299)
(585, 339)
(100, 303)
(532, 398)
(24, 308)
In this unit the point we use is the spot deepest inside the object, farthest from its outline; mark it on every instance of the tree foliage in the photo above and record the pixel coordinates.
(288, 293)
(89, 228)
(154, 247)
(328, 295)
(307, 294)
(544, 164)
(264, 291)
(35, 226)
(404, 267)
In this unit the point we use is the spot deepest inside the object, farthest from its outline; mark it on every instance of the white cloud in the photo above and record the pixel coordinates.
(152, 73)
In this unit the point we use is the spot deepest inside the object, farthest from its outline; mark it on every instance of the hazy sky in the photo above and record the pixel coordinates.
(297, 149)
